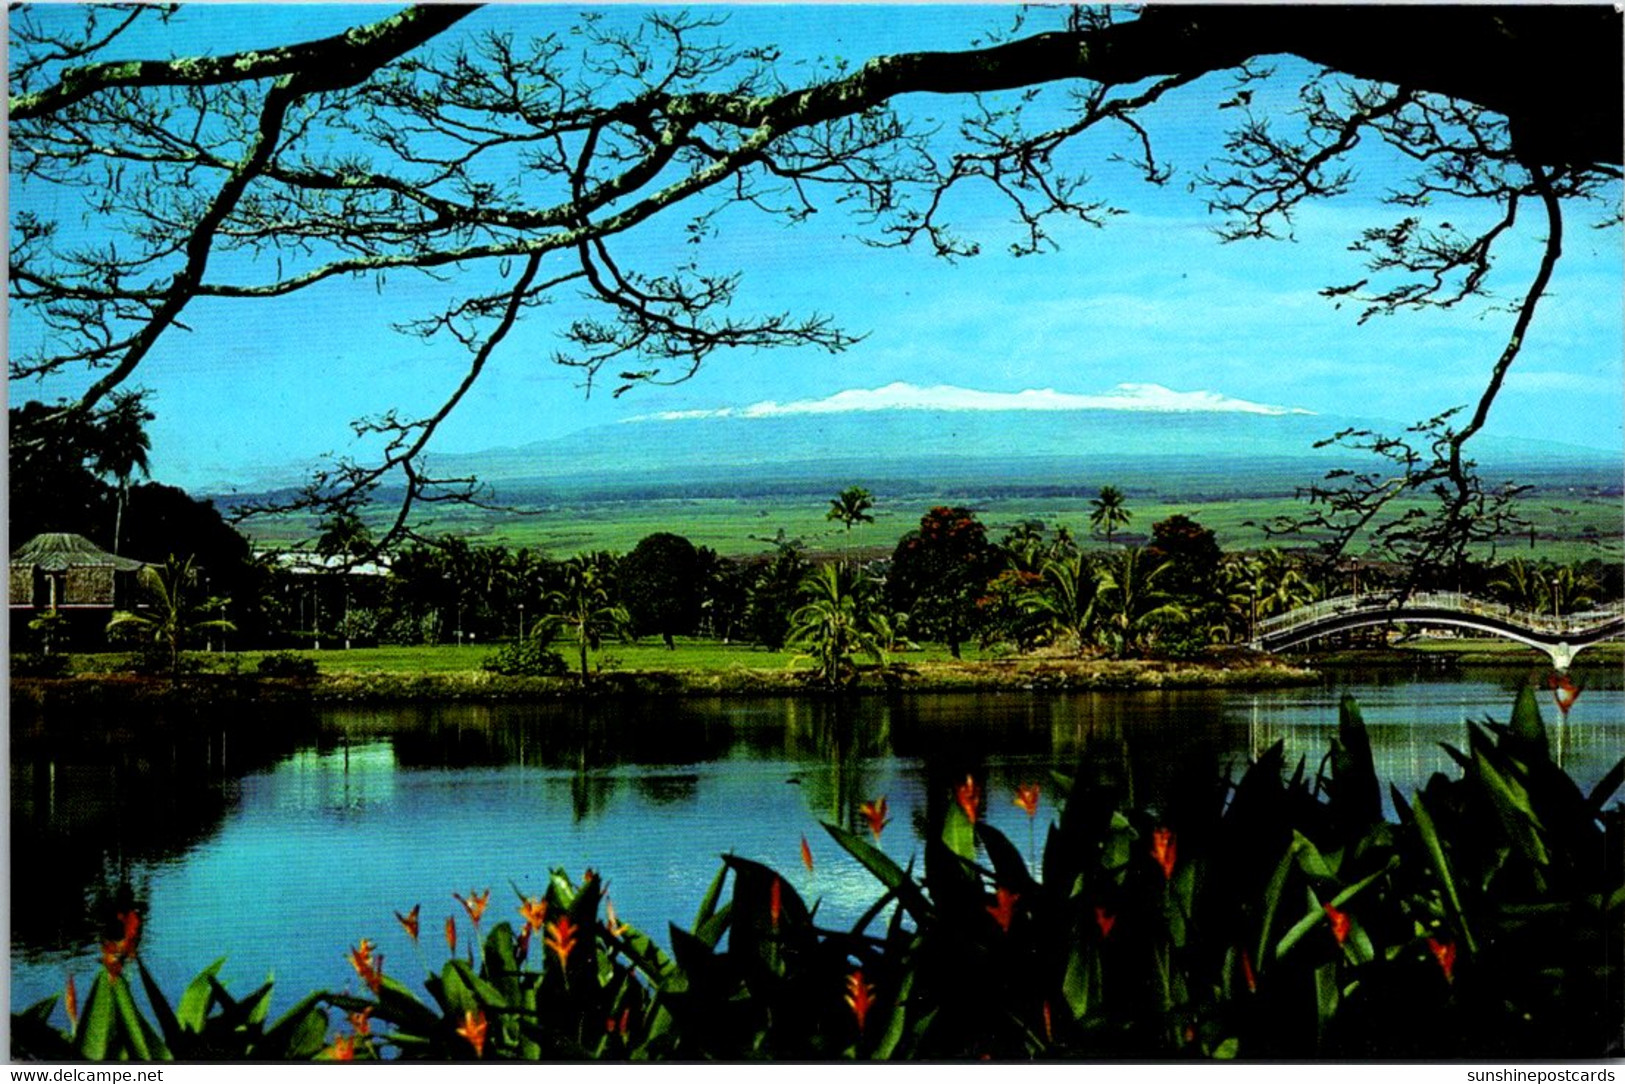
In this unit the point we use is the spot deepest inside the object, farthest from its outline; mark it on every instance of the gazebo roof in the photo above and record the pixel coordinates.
(56, 552)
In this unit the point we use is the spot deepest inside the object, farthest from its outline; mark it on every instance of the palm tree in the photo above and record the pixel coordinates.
(121, 447)
(173, 617)
(1132, 601)
(344, 536)
(1110, 511)
(837, 622)
(583, 605)
(851, 506)
(1066, 599)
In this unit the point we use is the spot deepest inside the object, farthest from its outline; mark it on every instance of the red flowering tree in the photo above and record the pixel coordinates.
(939, 574)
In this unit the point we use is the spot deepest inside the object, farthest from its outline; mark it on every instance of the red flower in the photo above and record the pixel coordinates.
(613, 1025)
(561, 938)
(806, 854)
(475, 904)
(131, 920)
(1445, 953)
(1005, 909)
(775, 901)
(368, 965)
(1105, 920)
(1165, 849)
(1564, 692)
(362, 1021)
(1027, 798)
(969, 797)
(115, 953)
(451, 934)
(409, 921)
(875, 813)
(1247, 971)
(71, 999)
(534, 912)
(1049, 1029)
(473, 1029)
(1339, 921)
(343, 1048)
(860, 996)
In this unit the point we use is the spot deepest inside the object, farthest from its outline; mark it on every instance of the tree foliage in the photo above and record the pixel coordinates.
(392, 149)
(660, 586)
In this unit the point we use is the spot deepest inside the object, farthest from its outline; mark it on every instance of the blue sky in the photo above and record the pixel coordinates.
(1153, 298)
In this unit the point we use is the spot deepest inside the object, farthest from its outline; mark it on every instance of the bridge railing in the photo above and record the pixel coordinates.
(1451, 601)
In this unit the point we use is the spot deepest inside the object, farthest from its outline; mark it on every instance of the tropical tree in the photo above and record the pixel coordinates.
(939, 574)
(583, 605)
(1066, 600)
(174, 615)
(1110, 512)
(121, 447)
(1132, 602)
(660, 583)
(851, 506)
(837, 622)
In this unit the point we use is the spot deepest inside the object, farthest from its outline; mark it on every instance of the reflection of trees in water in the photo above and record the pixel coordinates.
(835, 739)
(93, 803)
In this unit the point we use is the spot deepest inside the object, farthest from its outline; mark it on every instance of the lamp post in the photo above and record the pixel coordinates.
(1555, 615)
(521, 622)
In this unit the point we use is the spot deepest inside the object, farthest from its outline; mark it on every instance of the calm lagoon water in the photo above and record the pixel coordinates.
(279, 839)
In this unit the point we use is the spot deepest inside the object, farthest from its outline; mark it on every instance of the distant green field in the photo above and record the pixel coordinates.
(1567, 528)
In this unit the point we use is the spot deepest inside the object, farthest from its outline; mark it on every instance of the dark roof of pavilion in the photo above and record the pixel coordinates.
(55, 552)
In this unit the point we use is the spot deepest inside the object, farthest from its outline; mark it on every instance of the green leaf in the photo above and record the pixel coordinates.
(959, 834)
(1429, 834)
(1605, 787)
(298, 1034)
(1008, 865)
(197, 997)
(144, 1042)
(884, 869)
(1527, 731)
(95, 1033)
(1227, 1050)
(708, 904)
(168, 1025)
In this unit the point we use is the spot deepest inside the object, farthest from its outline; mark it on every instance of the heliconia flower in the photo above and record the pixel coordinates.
(1564, 692)
(475, 904)
(367, 964)
(860, 996)
(131, 921)
(473, 1029)
(451, 934)
(361, 1021)
(1105, 920)
(1027, 797)
(775, 901)
(114, 953)
(561, 938)
(875, 813)
(409, 921)
(112, 959)
(71, 1001)
(614, 925)
(612, 1025)
(1005, 909)
(588, 876)
(343, 1048)
(1445, 953)
(969, 797)
(534, 912)
(1049, 1029)
(806, 855)
(1247, 972)
(1339, 921)
(1165, 849)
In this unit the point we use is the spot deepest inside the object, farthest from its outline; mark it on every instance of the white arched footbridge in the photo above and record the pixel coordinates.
(1562, 636)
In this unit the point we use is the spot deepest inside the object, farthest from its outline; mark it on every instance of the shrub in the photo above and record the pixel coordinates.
(38, 664)
(286, 664)
(527, 658)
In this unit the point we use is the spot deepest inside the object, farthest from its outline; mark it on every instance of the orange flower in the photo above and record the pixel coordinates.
(1564, 692)
(775, 901)
(614, 925)
(1339, 921)
(1247, 971)
(561, 938)
(535, 912)
(71, 998)
(1445, 953)
(368, 965)
(1165, 848)
(473, 1030)
(409, 921)
(115, 953)
(1105, 920)
(1005, 909)
(362, 1021)
(131, 921)
(451, 934)
(112, 959)
(969, 797)
(343, 1048)
(1049, 1028)
(1027, 798)
(875, 813)
(860, 996)
(612, 1025)
(475, 904)
(806, 854)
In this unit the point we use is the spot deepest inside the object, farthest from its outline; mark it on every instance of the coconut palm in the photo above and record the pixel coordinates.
(583, 605)
(1131, 601)
(173, 617)
(851, 506)
(1066, 599)
(837, 622)
(1110, 511)
(121, 447)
